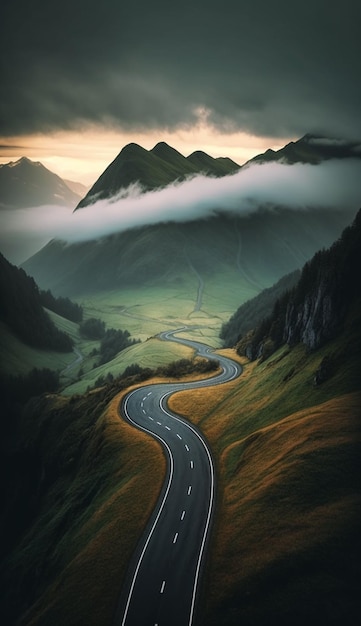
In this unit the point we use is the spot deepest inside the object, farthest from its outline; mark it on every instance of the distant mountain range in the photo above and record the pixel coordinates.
(163, 164)
(261, 247)
(153, 169)
(311, 149)
(25, 183)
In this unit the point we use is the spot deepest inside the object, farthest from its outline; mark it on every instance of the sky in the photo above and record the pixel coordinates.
(79, 80)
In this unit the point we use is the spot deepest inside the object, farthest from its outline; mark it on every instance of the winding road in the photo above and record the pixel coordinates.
(163, 580)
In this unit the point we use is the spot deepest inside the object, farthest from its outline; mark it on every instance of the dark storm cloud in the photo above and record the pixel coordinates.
(275, 68)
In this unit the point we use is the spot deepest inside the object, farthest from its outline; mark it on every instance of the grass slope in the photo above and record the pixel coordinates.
(18, 358)
(152, 354)
(286, 543)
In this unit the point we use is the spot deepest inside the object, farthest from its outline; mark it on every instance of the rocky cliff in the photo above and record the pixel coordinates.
(315, 309)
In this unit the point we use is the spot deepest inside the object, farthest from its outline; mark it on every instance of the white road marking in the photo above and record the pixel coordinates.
(162, 587)
(192, 465)
(189, 490)
(186, 447)
(175, 538)
(144, 411)
(159, 423)
(170, 335)
(167, 427)
(179, 436)
(149, 417)
(142, 403)
(183, 515)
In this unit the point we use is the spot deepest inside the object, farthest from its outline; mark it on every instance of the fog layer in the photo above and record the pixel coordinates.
(333, 184)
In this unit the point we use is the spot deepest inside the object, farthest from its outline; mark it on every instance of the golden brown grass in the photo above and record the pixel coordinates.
(288, 491)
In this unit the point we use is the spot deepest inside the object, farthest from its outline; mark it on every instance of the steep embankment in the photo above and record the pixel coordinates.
(286, 542)
(78, 489)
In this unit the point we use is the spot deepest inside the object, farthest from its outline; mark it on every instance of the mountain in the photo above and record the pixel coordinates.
(163, 164)
(314, 310)
(258, 249)
(311, 149)
(221, 166)
(153, 169)
(25, 183)
(78, 188)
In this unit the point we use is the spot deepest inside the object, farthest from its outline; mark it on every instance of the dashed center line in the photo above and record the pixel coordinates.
(149, 417)
(178, 435)
(192, 465)
(186, 447)
(175, 538)
(167, 427)
(162, 587)
(159, 423)
(189, 490)
(183, 515)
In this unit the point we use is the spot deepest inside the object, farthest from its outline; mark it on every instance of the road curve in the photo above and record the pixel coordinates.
(162, 582)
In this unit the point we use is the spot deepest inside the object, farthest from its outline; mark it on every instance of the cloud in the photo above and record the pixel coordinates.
(333, 184)
(269, 68)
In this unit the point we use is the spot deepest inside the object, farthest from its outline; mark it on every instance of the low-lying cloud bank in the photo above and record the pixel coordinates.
(332, 184)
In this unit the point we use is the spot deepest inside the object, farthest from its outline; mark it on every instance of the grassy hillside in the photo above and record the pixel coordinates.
(286, 543)
(18, 358)
(152, 354)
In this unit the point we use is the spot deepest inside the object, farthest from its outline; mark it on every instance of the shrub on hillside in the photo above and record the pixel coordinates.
(62, 306)
(92, 328)
(114, 341)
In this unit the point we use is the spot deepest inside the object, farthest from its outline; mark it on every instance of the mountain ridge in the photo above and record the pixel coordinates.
(25, 183)
(311, 149)
(152, 169)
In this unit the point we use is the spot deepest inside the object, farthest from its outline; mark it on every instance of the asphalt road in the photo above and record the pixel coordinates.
(163, 579)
